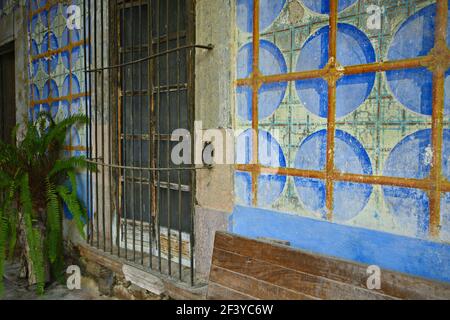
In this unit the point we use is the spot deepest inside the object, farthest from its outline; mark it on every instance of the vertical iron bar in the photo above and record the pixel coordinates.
(102, 123)
(118, 74)
(180, 228)
(438, 118)
(169, 250)
(124, 131)
(141, 90)
(190, 59)
(110, 137)
(255, 97)
(331, 119)
(150, 125)
(96, 124)
(91, 186)
(86, 71)
(132, 105)
(158, 129)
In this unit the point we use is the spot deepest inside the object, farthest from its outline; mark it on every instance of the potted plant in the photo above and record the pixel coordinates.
(35, 181)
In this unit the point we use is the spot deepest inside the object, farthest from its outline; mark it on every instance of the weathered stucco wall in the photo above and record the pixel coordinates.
(214, 103)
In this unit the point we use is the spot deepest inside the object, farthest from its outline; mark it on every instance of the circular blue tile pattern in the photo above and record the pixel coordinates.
(411, 158)
(50, 90)
(50, 42)
(34, 96)
(270, 187)
(71, 82)
(48, 15)
(323, 6)
(414, 38)
(271, 61)
(353, 48)
(35, 63)
(269, 10)
(33, 6)
(445, 217)
(350, 157)
(70, 36)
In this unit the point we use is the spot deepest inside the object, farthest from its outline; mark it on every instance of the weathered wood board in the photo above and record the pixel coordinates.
(249, 269)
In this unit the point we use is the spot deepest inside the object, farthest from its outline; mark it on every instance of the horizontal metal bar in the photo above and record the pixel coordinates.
(198, 46)
(425, 184)
(162, 184)
(346, 70)
(143, 137)
(146, 137)
(102, 164)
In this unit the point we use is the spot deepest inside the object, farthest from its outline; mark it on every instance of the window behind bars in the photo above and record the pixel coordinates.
(148, 94)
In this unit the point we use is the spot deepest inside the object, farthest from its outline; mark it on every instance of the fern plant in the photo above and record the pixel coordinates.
(34, 178)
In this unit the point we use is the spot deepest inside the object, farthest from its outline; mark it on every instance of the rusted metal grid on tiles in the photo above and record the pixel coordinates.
(50, 53)
(437, 61)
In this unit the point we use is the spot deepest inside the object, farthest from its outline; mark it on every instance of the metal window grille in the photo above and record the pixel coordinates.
(140, 72)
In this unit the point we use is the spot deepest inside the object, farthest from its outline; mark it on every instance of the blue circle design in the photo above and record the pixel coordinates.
(270, 95)
(70, 36)
(34, 96)
(353, 48)
(323, 6)
(350, 157)
(75, 105)
(34, 19)
(50, 90)
(411, 158)
(52, 62)
(414, 38)
(34, 63)
(445, 217)
(48, 15)
(270, 186)
(269, 10)
(413, 87)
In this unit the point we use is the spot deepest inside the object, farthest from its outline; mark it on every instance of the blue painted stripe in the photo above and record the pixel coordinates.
(398, 253)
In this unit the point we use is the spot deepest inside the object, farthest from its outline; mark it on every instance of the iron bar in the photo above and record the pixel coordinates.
(153, 56)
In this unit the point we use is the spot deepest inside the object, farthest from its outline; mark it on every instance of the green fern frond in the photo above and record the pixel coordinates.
(3, 241)
(58, 130)
(34, 163)
(13, 221)
(74, 195)
(5, 180)
(32, 235)
(74, 207)
(71, 164)
(53, 221)
(7, 228)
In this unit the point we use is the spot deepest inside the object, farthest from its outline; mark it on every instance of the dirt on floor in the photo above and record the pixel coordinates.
(17, 289)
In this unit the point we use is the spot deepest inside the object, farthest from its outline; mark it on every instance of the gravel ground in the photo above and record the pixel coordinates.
(17, 289)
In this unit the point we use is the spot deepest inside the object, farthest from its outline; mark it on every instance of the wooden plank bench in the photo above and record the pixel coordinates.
(244, 269)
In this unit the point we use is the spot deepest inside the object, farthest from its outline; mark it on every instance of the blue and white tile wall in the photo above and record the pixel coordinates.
(383, 122)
